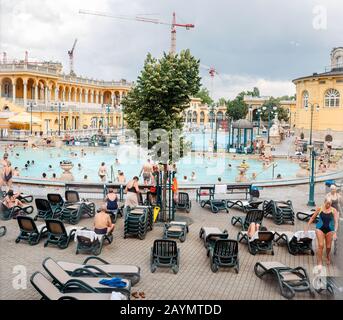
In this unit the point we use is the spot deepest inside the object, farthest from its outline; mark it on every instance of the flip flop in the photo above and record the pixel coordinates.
(142, 295)
(135, 294)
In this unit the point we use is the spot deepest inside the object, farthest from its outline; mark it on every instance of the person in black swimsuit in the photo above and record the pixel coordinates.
(326, 229)
(7, 174)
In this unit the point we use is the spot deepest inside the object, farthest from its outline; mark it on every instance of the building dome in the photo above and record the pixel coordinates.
(242, 124)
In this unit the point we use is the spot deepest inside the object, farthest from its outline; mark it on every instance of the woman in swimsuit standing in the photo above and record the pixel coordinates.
(326, 229)
(335, 198)
(102, 172)
(7, 174)
(132, 190)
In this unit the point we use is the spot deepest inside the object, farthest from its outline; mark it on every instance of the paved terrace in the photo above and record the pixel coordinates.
(195, 280)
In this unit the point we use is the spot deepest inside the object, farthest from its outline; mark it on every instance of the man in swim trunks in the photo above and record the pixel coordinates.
(147, 171)
(102, 221)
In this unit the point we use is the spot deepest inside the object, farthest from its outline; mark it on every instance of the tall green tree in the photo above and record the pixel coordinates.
(222, 102)
(205, 97)
(161, 94)
(281, 112)
(237, 108)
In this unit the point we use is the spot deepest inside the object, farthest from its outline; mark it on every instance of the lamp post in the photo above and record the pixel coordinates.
(212, 120)
(271, 111)
(122, 120)
(229, 129)
(108, 118)
(31, 104)
(259, 111)
(203, 142)
(59, 105)
(216, 137)
(311, 201)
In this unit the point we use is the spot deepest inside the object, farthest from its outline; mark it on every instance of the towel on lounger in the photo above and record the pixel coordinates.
(114, 282)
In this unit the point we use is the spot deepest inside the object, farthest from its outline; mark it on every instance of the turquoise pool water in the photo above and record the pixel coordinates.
(207, 170)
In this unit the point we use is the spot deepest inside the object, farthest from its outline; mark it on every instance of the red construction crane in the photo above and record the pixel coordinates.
(173, 25)
(71, 58)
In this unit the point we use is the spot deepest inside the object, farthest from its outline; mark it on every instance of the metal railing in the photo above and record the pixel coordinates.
(334, 67)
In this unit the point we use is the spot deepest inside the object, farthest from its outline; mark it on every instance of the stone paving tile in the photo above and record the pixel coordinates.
(195, 280)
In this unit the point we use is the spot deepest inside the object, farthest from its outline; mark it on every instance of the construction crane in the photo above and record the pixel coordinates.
(71, 58)
(173, 25)
(212, 72)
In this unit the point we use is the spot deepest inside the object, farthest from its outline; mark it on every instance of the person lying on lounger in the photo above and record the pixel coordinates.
(253, 230)
(102, 222)
(11, 200)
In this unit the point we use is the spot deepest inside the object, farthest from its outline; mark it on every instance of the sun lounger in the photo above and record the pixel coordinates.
(89, 242)
(68, 283)
(29, 231)
(49, 291)
(210, 235)
(58, 234)
(205, 191)
(3, 231)
(45, 210)
(105, 269)
(254, 215)
(224, 254)
(12, 213)
(290, 280)
(72, 198)
(281, 211)
(25, 198)
(56, 200)
(183, 202)
(166, 254)
(261, 243)
(244, 205)
(297, 243)
(175, 229)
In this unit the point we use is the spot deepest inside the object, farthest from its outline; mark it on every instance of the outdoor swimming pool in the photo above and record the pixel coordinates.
(207, 170)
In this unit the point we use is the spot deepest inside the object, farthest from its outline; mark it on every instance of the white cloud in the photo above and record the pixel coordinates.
(228, 86)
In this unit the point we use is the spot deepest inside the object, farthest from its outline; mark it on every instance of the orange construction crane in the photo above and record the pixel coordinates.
(142, 19)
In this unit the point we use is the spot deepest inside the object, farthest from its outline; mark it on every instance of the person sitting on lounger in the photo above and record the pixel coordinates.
(326, 229)
(111, 200)
(11, 200)
(102, 222)
(254, 229)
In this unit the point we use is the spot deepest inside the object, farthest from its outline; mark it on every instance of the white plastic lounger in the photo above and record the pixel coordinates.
(48, 291)
(207, 234)
(69, 283)
(104, 269)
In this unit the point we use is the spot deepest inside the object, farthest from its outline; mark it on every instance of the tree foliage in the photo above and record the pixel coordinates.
(281, 112)
(161, 94)
(205, 97)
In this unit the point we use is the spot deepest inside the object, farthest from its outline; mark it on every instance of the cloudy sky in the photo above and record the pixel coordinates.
(263, 43)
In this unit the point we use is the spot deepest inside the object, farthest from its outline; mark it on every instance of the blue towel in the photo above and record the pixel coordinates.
(114, 282)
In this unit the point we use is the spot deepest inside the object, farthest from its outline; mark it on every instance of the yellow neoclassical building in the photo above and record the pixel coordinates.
(78, 102)
(324, 91)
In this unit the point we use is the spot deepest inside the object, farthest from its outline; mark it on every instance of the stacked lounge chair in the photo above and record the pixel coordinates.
(303, 216)
(176, 229)
(290, 280)
(136, 222)
(74, 209)
(45, 210)
(244, 205)
(102, 269)
(56, 201)
(281, 211)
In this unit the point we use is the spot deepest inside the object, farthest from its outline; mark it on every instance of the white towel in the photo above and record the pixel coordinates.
(117, 296)
(303, 234)
(87, 234)
(220, 189)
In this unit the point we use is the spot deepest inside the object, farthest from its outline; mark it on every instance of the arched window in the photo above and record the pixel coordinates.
(305, 99)
(195, 116)
(202, 117)
(332, 98)
(220, 116)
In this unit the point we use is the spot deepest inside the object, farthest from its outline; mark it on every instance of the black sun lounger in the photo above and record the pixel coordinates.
(29, 231)
(290, 280)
